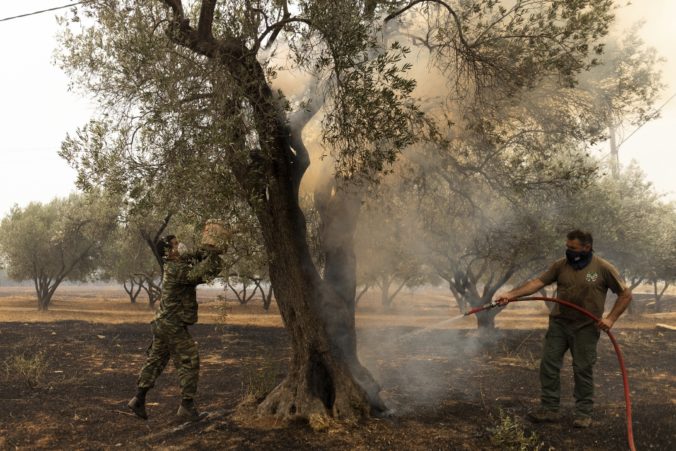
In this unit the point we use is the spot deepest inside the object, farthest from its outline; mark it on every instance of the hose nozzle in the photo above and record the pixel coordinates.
(484, 307)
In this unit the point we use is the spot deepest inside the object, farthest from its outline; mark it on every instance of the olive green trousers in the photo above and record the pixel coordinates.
(581, 340)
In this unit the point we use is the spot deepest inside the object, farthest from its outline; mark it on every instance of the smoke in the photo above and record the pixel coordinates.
(417, 367)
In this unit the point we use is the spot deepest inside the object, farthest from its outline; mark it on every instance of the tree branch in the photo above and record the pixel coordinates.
(452, 12)
(206, 20)
(275, 28)
(177, 8)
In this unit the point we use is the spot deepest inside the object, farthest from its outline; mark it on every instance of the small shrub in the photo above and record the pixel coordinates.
(26, 367)
(259, 381)
(221, 324)
(509, 434)
(222, 309)
(318, 422)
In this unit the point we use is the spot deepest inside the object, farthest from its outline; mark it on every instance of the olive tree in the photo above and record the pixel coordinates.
(129, 260)
(625, 85)
(57, 241)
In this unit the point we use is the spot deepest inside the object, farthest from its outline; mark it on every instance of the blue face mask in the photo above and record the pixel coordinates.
(578, 259)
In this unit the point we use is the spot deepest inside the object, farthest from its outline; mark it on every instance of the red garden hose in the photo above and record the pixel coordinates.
(620, 359)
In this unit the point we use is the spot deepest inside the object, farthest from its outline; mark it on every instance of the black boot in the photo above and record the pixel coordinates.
(138, 403)
(187, 410)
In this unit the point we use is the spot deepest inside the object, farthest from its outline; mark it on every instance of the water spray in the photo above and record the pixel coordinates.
(620, 359)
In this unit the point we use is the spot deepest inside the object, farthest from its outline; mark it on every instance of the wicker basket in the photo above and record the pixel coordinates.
(215, 234)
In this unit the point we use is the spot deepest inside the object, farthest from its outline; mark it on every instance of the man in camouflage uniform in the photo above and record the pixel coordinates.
(178, 310)
(583, 279)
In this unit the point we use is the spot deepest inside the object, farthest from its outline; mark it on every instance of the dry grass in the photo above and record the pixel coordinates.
(258, 381)
(26, 364)
(509, 434)
(421, 308)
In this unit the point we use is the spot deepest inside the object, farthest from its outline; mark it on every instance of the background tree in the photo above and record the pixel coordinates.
(128, 260)
(61, 240)
(626, 86)
(662, 264)
(477, 250)
(386, 244)
(246, 272)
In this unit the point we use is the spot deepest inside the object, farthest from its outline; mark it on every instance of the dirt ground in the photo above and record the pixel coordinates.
(66, 375)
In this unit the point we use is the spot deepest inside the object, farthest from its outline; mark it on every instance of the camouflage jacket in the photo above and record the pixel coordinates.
(178, 303)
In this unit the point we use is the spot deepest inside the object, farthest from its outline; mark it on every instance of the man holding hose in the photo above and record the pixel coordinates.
(583, 279)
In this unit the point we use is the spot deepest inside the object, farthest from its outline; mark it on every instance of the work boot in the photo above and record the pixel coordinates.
(542, 415)
(582, 421)
(187, 411)
(138, 407)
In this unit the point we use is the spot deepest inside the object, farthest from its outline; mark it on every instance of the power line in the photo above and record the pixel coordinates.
(41, 11)
(639, 127)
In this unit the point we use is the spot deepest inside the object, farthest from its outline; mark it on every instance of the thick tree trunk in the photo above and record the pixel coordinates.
(385, 299)
(265, 297)
(325, 376)
(45, 298)
(43, 292)
(132, 290)
(486, 320)
(658, 295)
(153, 290)
(459, 299)
(43, 302)
(633, 283)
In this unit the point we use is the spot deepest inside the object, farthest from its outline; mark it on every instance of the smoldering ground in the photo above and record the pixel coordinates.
(420, 367)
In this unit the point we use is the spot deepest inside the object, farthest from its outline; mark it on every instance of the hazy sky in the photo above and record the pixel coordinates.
(36, 109)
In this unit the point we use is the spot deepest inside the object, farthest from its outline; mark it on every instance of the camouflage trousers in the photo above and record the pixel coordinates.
(171, 340)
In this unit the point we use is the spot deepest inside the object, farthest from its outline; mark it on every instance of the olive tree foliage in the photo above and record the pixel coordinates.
(628, 80)
(188, 107)
(57, 241)
(630, 224)
(626, 86)
(523, 148)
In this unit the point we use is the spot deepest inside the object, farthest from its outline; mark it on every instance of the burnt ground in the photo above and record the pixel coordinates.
(446, 393)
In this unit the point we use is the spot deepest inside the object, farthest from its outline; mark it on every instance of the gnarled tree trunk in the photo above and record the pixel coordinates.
(45, 287)
(325, 375)
(132, 289)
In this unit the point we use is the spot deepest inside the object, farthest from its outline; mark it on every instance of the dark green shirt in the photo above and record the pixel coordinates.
(586, 287)
(178, 303)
